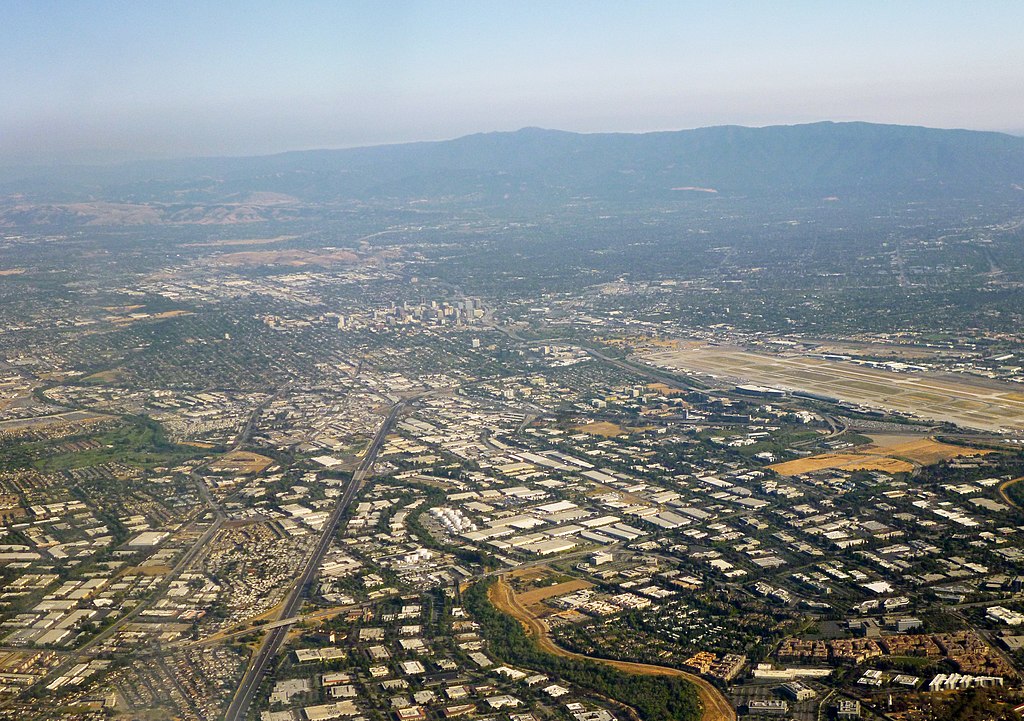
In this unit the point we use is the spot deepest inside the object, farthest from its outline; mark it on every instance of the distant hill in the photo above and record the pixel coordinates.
(546, 167)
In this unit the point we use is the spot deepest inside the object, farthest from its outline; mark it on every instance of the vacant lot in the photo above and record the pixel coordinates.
(927, 451)
(240, 462)
(889, 453)
(157, 569)
(559, 589)
(601, 428)
(842, 461)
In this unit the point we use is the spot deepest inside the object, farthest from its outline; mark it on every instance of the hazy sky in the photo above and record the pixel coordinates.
(92, 80)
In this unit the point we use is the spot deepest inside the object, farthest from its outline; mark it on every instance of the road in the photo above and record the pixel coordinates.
(676, 381)
(836, 428)
(221, 636)
(275, 637)
(244, 434)
(658, 377)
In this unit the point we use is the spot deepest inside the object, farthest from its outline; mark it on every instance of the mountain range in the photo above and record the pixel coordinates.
(535, 167)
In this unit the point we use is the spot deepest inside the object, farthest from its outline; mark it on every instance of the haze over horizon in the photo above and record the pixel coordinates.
(101, 82)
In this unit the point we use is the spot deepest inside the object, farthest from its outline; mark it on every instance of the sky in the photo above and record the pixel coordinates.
(95, 81)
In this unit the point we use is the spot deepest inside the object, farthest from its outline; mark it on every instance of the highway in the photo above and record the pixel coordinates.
(275, 637)
(657, 376)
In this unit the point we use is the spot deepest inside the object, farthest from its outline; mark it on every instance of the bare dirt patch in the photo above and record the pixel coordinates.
(890, 453)
(241, 462)
(927, 451)
(154, 570)
(559, 589)
(665, 390)
(841, 461)
(601, 428)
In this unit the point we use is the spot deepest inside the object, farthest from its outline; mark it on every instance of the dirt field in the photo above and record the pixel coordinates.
(985, 405)
(154, 570)
(531, 574)
(241, 462)
(601, 428)
(559, 589)
(927, 451)
(842, 461)
(890, 453)
(607, 429)
(715, 707)
(665, 390)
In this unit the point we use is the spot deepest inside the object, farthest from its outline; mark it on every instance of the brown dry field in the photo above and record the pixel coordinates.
(154, 570)
(241, 462)
(892, 453)
(666, 390)
(559, 589)
(714, 706)
(841, 461)
(607, 429)
(531, 573)
(601, 428)
(927, 451)
(12, 271)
